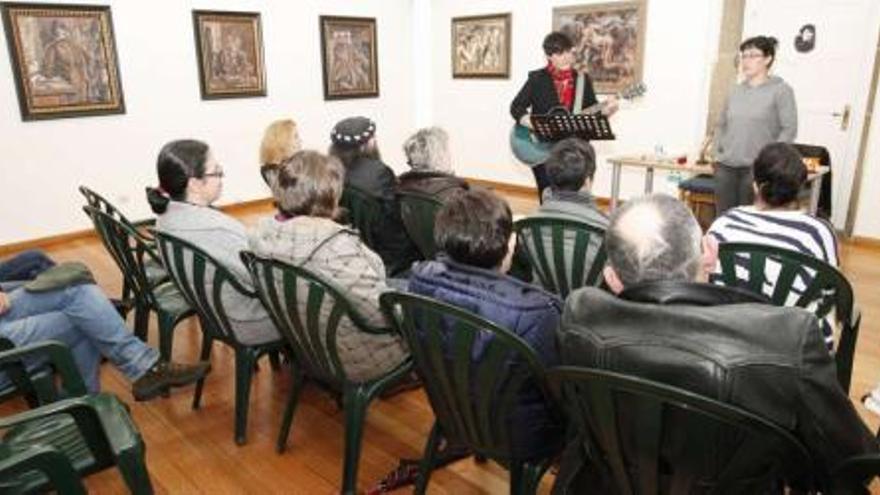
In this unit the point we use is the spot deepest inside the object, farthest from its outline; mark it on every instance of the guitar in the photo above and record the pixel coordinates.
(531, 151)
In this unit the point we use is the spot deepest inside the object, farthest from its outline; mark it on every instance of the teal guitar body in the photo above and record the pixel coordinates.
(526, 147)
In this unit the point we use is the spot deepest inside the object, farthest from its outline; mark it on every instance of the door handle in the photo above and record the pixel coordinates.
(844, 117)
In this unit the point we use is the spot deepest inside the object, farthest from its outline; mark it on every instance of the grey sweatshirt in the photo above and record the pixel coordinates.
(752, 118)
(222, 237)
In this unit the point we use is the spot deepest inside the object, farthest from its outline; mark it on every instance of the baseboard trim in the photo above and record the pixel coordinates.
(526, 192)
(872, 243)
(244, 207)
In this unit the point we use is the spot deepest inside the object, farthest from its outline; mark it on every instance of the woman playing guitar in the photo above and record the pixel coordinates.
(552, 87)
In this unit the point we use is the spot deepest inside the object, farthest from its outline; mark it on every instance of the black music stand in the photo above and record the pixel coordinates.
(592, 127)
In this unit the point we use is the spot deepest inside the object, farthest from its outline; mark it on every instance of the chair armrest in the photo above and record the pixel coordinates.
(53, 464)
(59, 357)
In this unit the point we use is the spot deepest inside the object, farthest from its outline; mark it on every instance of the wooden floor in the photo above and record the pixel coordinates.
(194, 452)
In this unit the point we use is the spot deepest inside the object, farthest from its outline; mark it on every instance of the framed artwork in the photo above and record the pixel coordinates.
(609, 40)
(349, 57)
(481, 46)
(229, 46)
(63, 60)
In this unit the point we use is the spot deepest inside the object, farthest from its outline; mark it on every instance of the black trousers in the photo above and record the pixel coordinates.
(733, 187)
(541, 179)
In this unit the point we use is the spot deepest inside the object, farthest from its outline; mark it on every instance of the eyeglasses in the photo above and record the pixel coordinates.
(751, 55)
(218, 174)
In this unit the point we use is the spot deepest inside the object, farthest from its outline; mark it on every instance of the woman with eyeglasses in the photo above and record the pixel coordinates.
(280, 141)
(190, 181)
(760, 110)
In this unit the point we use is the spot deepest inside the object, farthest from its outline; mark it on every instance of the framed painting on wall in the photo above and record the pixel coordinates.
(63, 60)
(349, 57)
(481, 46)
(230, 54)
(609, 41)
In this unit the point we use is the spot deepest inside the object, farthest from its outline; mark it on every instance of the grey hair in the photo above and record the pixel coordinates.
(653, 238)
(428, 149)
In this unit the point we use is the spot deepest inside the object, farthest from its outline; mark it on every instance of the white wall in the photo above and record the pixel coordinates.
(41, 163)
(681, 44)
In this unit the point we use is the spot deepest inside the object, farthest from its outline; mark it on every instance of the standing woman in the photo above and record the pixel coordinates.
(759, 110)
(553, 86)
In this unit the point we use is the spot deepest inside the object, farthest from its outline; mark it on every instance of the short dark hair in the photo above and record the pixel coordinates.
(780, 174)
(766, 44)
(178, 161)
(309, 183)
(556, 42)
(571, 162)
(474, 228)
(653, 238)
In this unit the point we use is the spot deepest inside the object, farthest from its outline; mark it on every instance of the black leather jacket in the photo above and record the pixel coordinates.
(724, 344)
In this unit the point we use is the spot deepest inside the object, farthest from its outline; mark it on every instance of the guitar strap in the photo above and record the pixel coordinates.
(579, 93)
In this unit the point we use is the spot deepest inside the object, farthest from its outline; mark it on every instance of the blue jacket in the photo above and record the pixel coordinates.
(526, 310)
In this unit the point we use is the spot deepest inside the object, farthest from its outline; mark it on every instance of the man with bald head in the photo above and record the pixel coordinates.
(663, 322)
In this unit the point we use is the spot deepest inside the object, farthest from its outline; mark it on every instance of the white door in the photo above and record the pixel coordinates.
(831, 82)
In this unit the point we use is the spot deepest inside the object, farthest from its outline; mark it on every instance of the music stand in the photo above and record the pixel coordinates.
(592, 127)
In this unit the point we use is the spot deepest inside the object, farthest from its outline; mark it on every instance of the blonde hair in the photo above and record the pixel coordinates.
(309, 183)
(280, 141)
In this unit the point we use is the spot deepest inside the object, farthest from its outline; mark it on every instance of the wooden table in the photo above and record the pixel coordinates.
(650, 163)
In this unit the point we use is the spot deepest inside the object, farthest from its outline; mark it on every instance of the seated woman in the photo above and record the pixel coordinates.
(354, 144)
(280, 141)
(427, 154)
(190, 180)
(304, 233)
(473, 231)
(81, 317)
(775, 218)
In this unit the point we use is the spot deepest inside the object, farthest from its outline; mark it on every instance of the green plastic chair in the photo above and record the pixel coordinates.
(633, 429)
(130, 251)
(364, 213)
(307, 312)
(853, 475)
(201, 280)
(56, 443)
(472, 401)
(825, 288)
(35, 380)
(155, 271)
(571, 254)
(418, 212)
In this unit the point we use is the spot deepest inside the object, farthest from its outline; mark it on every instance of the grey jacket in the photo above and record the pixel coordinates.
(336, 253)
(222, 237)
(752, 118)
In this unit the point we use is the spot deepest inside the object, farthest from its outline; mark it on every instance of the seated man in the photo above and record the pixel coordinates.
(570, 170)
(666, 324)
(22, 267)
(427, 154)
(473, 233)
(81, 317)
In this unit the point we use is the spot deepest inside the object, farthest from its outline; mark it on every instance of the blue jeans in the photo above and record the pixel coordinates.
(24, 266)
(82, 318)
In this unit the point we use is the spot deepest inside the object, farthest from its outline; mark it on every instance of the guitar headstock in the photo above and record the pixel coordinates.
(633, 91)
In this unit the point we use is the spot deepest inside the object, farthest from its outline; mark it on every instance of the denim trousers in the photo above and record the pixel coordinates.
(24, 266)
(82, 318)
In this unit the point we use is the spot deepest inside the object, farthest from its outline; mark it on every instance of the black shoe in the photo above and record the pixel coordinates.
(164, 375)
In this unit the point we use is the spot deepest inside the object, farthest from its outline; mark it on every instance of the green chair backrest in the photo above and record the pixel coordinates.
(128, 249)
(803, 281)
(365, 213)
(474, 371)
(201, 280)
(97, 201)
(308, 312)
(418, 212)
(649, 437)
(565, 254)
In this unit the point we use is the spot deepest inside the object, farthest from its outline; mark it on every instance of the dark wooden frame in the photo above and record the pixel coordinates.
(324, 24)
(505, 74)
(217, 15)
(108, 42)
(642, 7)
